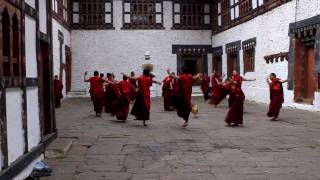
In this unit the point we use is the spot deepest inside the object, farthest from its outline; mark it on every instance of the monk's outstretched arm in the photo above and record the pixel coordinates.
(284, 81)
(268, 80)
(196, 77)
(172, 75)
(248, 79)
(85, 78)
(129, 77)
(157, 82)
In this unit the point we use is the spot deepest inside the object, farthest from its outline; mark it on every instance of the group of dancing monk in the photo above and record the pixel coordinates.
(116, 96)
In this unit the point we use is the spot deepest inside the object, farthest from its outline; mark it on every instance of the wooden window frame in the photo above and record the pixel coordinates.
(92, 14)
(249, 51)
(139, 9)
(233, 10)
(190, 18)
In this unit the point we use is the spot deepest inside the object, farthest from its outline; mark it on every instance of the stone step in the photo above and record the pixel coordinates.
(59, 148)
(82, 93)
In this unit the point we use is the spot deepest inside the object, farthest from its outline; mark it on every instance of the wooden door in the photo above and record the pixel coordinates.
(309, 73)
(68, 71)
(217, 64)
(44, 80)
(232, 64)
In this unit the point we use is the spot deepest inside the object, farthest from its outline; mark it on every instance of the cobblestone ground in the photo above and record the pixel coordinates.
(106, 149)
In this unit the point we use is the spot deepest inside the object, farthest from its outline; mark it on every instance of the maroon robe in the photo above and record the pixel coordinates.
(205, 82)
(166, 93)
(134, 89)
(123, 101)
(114, 98)
(182, 102)
(58, 86)
(276, 98)
(97, 93)
(237, 79)
(108, 97)
(141, 107)
(218, 91)
(235, 113)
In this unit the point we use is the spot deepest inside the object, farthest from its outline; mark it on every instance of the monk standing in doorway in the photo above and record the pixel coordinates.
(142, 104)
(58, 86)
(205, 86)
(276, 96)
(182, 102)
(96, 91)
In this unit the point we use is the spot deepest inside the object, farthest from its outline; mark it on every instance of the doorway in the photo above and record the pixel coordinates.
(217, 64)
(68, 71)
(233, 64)
(45, 95)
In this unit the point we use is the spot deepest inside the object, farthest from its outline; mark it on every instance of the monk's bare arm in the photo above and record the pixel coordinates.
(172, 75)
(130, 77)
(196, 77)
(248, 79)
(85, 78)
(268, 80)
(283, 81)
(157, 82)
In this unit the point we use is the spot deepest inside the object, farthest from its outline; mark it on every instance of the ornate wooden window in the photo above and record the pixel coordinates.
(191, 14)
(60, 9)
(92, 14)
(232, 50)
(234, 9)
(256, 3)
(245, 7)
(142, 14)
(217, 59)
(248, 47)
(225, 12)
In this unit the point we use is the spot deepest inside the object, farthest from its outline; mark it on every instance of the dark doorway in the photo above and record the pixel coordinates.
(45, 95)
(68, 71)
(233, 64)
(217, 64)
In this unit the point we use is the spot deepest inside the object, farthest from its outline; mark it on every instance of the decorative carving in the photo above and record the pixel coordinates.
(276, 57)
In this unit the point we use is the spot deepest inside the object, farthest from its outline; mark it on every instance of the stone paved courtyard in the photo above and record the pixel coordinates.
(106, 149)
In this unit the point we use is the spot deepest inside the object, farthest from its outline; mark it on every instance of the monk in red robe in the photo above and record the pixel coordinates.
(167, 87)
(205, 86)
(108, 94)
(58, 86)
(134, 86)
(218, 92)
(235, 113)
(124, 99)
(236, 78)
(276, 96)
(96, 91)
(182, 102)
(142, 104)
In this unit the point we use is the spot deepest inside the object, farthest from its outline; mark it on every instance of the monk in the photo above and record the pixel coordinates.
(236, 78)
(276, 96)
(124, 99)
(218, 92)
(205, 86)
(182, 102)
(58, 86)
(134, 86)
(96, 91)
(235, 113)
(142, 104)
(108, 94)
(167, 87)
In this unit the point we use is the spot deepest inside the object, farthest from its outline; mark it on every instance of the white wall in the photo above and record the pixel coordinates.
(123, 50)
(56, 49)
(30, 47)
(14, 124)
(34, 133)
(271, 32)
(43, 16)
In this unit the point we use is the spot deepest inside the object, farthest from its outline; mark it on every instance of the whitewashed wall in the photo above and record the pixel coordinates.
(34, 133)
(43, 16)
(30, 47)
(123, 50)
(56, 49)
(271, 32)
(14, 124)
(32, 3)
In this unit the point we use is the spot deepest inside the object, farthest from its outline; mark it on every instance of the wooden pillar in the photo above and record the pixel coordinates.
(11, 46)
(291, 61)
(1, 48)
(317, 58)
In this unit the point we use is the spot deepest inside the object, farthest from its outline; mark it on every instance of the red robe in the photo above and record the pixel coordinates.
(218, 92)
(166, 93)
(97, 93)
(235, 113)
(276, 98)
(238, 80)
(134, 89)
(205, 82)
(58, 86)
(182, 102)
(108, 97)
(123, 101)
(114, 98)
(141, 107)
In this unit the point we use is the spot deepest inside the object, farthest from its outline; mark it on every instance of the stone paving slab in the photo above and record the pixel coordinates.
(105, 149)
